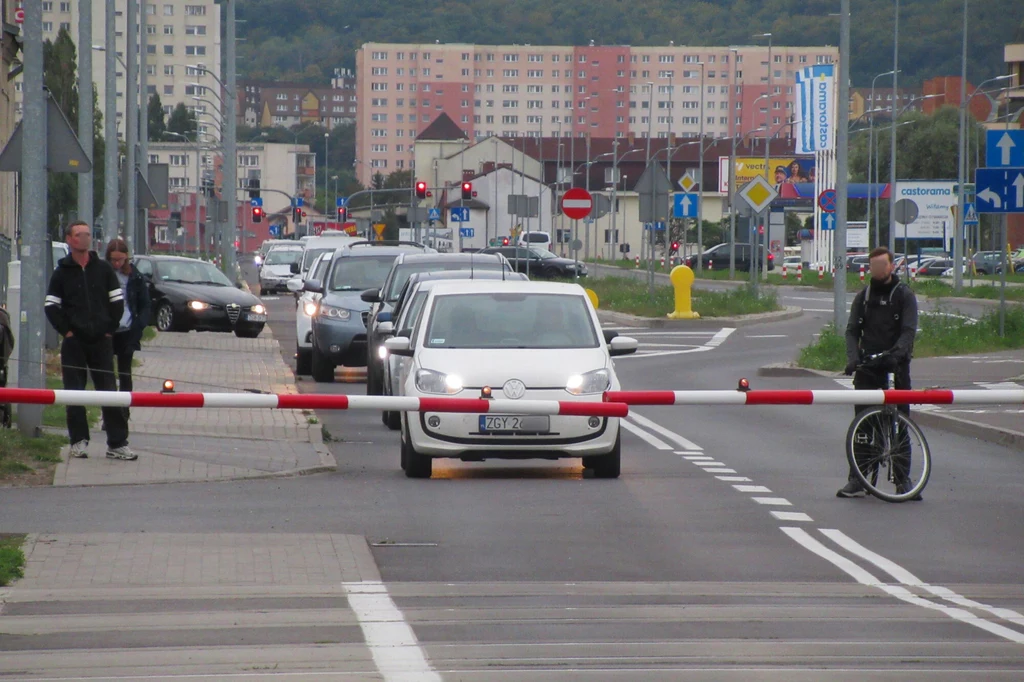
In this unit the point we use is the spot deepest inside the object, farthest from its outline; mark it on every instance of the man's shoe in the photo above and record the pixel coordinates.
(80, 449)
(852, 489)
(902, 488)
(124, 452)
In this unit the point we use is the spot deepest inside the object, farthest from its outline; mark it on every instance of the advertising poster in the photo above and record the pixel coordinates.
(782, 170)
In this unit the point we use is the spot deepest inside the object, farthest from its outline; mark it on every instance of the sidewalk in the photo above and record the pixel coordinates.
(179, 445)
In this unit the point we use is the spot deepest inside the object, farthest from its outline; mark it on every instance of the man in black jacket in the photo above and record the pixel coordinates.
(84, 303)
(883, 319)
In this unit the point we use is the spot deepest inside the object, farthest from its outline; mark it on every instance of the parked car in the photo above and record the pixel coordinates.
(934, 267)
(717, 257)
(988, 262)
(539, 263)
(538, 239)
(277, 267)
(190, 294)
(305, 309)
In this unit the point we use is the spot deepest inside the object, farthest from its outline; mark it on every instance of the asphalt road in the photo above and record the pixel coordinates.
(721, 553)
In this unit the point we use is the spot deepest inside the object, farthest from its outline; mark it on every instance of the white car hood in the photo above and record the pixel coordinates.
(493, 367)
(281, 270)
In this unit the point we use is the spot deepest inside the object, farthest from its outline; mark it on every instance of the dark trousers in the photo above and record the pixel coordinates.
(123, 354)
(83, 359)
(875, 380)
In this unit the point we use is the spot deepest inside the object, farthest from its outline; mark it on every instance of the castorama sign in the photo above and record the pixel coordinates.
(935, 201)
(816, 109)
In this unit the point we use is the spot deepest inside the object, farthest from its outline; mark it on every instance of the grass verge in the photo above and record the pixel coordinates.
(940, 334)
(12, 559)
(631, 296)
(28, 461)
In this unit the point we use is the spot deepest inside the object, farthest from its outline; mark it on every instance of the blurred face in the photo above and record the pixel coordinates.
(80, 238)
(118, 260)
(780, 176)
(881, 268)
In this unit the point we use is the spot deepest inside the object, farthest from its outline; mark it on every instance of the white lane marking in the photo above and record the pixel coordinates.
(390, 639)
(999, 385)
(680, 442)
(862, 576)
(688, 452)
(643, 435)
(698, 457)
(704, 333)
(714, 342)
(709, 464)
(720, 471)
(720, 338)
(732, 478)
(768, 336)
(845, 382)
(752, 488)
(773, 501)
(907, 578)
(819, 310)
(791, 516)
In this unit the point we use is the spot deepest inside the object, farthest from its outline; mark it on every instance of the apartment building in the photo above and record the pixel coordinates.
(602, 91)
(181, 37)
(265, 104)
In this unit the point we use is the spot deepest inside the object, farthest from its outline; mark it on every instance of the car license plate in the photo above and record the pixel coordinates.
(253, 317)
(496, 423)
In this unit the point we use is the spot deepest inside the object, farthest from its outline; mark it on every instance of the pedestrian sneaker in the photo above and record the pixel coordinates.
(851, 489)
(124, 452)
(80, 449)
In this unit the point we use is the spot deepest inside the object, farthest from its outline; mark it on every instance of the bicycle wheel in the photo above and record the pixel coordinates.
(889, 454)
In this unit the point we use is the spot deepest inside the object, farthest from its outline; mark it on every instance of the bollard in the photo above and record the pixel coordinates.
(913, 272)
(682, 281)
(821, 273)
(711, 265)
(862, 273)
(637, 261)
(800, 273)
(662, 262)
(784, 271)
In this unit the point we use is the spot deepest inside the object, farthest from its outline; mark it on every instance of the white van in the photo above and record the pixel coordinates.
(541, 239)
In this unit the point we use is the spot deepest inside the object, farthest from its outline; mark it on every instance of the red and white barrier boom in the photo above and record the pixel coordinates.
(311, 402)
(827, 397)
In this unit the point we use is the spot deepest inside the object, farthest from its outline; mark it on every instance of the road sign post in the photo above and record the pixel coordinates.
(577, 204)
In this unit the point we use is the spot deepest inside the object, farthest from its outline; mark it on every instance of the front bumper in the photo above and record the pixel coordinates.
(224, 319)
(342, 341)
(272, 284)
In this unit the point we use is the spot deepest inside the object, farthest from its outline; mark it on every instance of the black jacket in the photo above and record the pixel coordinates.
(883, 318)
(87, 301)
(139, 305)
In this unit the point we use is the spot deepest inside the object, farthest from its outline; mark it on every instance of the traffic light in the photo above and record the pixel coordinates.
(257, 214)
(342, 214)
(504, 241)
(254, 188)
(296, 214)
(675, 247)
(421, 190)
(467, 191)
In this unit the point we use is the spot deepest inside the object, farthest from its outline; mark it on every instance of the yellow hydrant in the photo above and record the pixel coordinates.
(682, 282)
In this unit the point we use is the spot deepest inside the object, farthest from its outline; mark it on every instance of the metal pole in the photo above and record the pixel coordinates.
(700, 172)
(85, 108)
(110, 184)
(131, 117)
(327, 173)
(615, 189)
(230, 190)
(33, 216)
(142, 244)
(654, 192)
(842, 168)
(732, 173)
(586, 250)
(958, 225)
(892, 132)
(199, 159)
(767, 167)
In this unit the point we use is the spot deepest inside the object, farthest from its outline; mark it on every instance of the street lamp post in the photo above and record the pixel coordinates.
(732, 169)
(871, 153)
(327, 139)
(892, 140)
(754, 258)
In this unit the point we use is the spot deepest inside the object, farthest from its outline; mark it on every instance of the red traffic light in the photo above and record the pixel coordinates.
(504, 241)
(675, 246)
(467, 191)
(421, 189)
(257, 214)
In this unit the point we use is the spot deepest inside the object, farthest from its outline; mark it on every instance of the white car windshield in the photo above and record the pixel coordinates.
(310, 255)
(356, 273)
(283, 257)
(191, 272)
(406, 270)
(510, 320)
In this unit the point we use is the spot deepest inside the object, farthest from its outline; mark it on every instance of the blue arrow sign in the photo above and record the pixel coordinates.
(657, 227)
(256, 201)
(434, 214)
(341, 202)
(460, 214)
(274, 231)
(298, 202)
(466, 231)
(828, 221)
(1004, 148)
(1000, 190)
(685, 205)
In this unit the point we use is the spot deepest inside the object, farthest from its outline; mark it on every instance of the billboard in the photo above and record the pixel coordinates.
(815, 109)
(934, 200)
(783, 170)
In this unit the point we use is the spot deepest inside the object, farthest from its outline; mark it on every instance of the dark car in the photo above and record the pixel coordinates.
(934, 267)
(192, 294)
(383, 298)
(339, 324)
(717, 258)
(538, 262)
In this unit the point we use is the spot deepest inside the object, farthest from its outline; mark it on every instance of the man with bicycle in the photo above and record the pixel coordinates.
(880, 340)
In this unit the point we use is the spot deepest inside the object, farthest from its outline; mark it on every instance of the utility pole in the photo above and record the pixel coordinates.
(111, 187)
(842, 168)
(142, 243)
(958, 225)
(892, 140)
(230, 189)
(33, 218)
(131, 117)
(85, 107)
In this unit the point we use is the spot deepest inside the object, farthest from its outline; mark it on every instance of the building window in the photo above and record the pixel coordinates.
(191, 30)
(195, 10)
(168, 10)
(168, 89)
(382, 56)
(179, 160)
(47, 27)
(195, 50)
(169, 50)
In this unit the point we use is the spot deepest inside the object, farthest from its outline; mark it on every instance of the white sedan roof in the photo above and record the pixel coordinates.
(482, 286)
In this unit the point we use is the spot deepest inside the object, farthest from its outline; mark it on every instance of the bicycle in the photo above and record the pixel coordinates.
(883, 438)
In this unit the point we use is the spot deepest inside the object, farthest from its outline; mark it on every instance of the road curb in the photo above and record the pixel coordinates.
(786, 370)
(598, 271)
(327, 460)
(627, 320)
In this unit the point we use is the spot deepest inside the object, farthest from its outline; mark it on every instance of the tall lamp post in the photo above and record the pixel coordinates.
(767, 170)
(871, 153)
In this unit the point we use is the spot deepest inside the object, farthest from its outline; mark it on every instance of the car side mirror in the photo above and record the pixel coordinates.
(399, 345)
(384, 316)
(622, 345)
(313, 286)
(294, 269)
(370, 296)
(609, 335)
(294, 285)
(386, 328)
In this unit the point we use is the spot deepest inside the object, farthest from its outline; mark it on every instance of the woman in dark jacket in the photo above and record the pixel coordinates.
(137, 308)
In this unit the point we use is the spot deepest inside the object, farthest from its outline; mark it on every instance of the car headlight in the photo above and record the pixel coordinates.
(429, 381)
(382, 352)
(198, 305)
(334, 313)
(597, 381)
(310, 308)
(257, 260)
(258, 309)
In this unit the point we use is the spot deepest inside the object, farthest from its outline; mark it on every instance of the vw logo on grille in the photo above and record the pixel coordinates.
(514, 389)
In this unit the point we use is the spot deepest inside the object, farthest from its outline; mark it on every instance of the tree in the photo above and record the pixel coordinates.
(182, 121)
(59, 76)
(157, 118)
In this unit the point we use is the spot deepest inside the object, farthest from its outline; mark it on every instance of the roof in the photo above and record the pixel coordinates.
(447, 257)
(372, 249)
(526, 287)
(331, 241)
(442, 128)
(427, 280)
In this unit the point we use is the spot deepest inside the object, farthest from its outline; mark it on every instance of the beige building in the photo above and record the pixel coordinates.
(538, 91)
(9, 54)
(182, 36)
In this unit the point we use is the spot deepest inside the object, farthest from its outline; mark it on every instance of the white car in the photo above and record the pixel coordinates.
(277, 267)
(307, 305)
(520, 340)
(314, 247)
(261, 254)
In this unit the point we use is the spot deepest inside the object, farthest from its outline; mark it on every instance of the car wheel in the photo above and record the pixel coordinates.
(248, 333)
(606, 466)
(303, 361)
(165, 318)
(392, 420)
(321, 368)
(416, 465)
